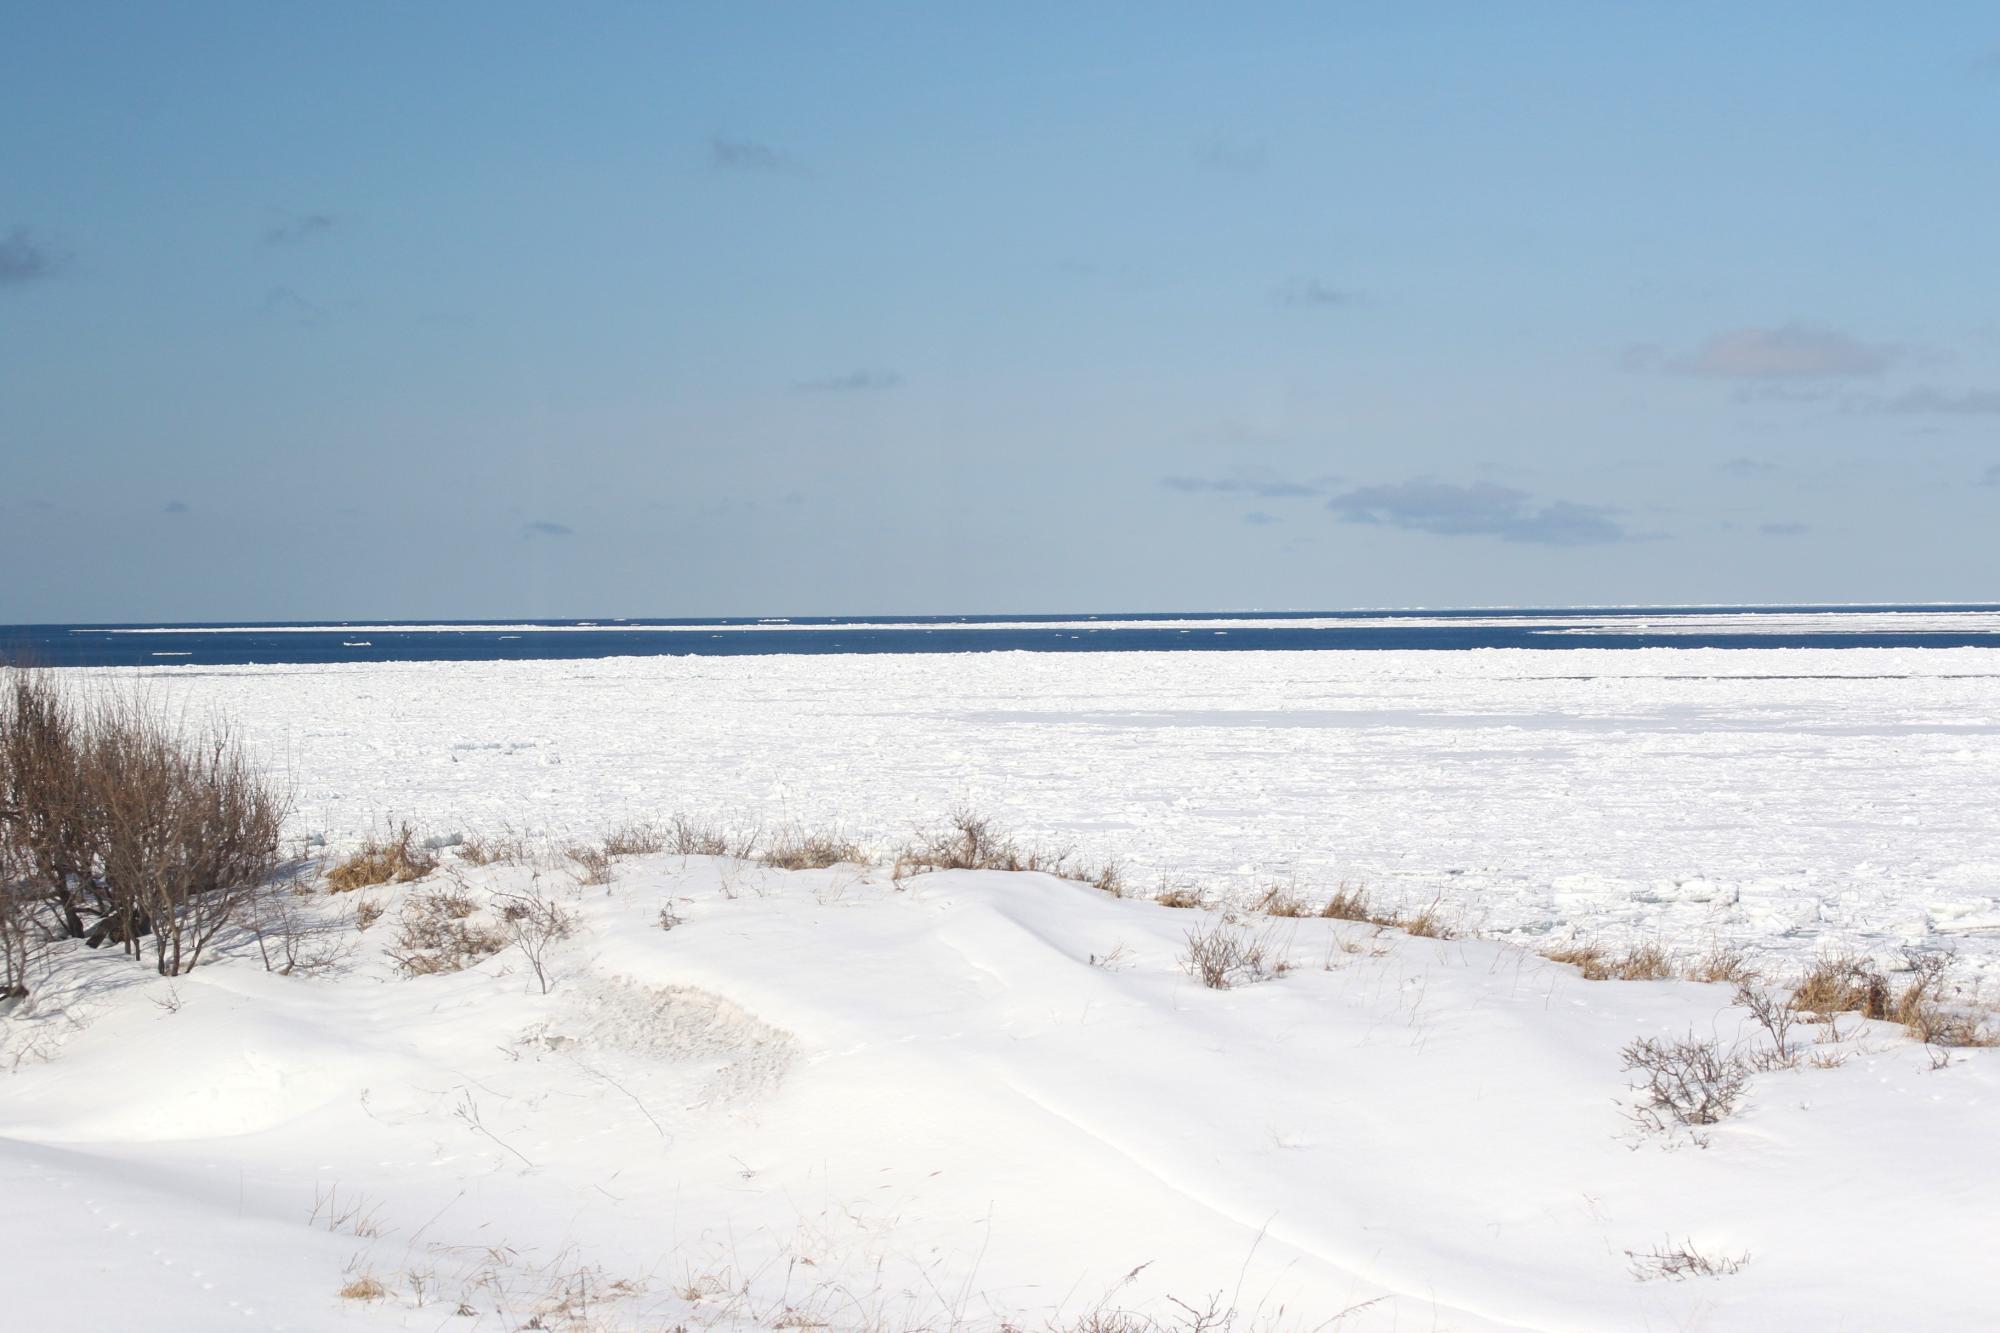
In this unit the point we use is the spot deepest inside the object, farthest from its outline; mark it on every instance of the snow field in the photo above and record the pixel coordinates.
(1786, 801)
(974, 1100)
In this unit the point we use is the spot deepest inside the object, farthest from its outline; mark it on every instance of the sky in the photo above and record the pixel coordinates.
(496, 309)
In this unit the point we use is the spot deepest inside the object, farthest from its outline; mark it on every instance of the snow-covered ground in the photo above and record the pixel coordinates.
(974, 1101)
(1787, 801)
(985, 1101)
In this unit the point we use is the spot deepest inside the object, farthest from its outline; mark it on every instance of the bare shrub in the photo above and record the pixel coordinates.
(1676, 1261)
(534, 924)
(292, 941)
(1688, 1081)
(190, 828)
(796, 849)
(593, 864)
(18, 936)
(969, 841)
(53, 816)
(1223, 954)
(688, 837)
(1776, 1018)
(640, 837)
(1924, 1011)
(437, 931)
(367, 912)
(394, 860)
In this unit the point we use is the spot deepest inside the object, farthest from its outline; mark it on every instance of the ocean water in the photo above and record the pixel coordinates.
(307, 642)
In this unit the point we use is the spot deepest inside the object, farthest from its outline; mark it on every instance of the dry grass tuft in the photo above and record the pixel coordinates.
(1429, 922)
(439, 931)
(1723, 964)
(1645, 961)
(969, 841)
(1843, 984)
(639, 837)
(1348, 904)
(688, 837)
(364, 1288)
(795, 849)
(397, 860)
(1675, 1262)
(1180, 896)
(593, 864)
(486, 849)
(1281, 900)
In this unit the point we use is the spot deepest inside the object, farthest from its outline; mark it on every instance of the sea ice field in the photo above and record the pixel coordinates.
(1785, 801)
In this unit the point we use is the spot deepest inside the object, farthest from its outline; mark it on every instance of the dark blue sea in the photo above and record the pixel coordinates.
(298, 643)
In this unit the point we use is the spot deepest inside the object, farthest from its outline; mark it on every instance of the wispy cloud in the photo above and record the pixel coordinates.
(287, 306)
(542, 527)
(1748, 469)
(1257, 518)
(1783, 529)
(176, 507)
(1792, 351)
(1263, 487)
(1482, 509)
(292, 230)
(1313, 293)
(748, 155)
(1992, 477)
(1924, 400)
(23, 258)
(854, 381)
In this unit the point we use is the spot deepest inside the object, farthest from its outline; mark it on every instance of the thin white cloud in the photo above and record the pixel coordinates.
(1786, 352)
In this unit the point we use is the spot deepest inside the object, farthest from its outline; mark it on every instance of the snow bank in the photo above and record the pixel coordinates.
(822, 1100)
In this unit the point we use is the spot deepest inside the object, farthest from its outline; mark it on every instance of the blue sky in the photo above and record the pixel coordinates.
(492, 309)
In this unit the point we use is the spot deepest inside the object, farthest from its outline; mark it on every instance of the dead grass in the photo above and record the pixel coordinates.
(684, 836)
(969, 841)
(1645, 961)
(1676, 1261)
(395, 860)
(1842, 983)
(592, 864)
(796, 849)
(364, 1288)
(1223, 954)
(486, 849)
(440, 931)
(1723, 964)
(1429, 922)
(1348, 904)
(635, 838)
(1178, 896)
(1282, 900)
